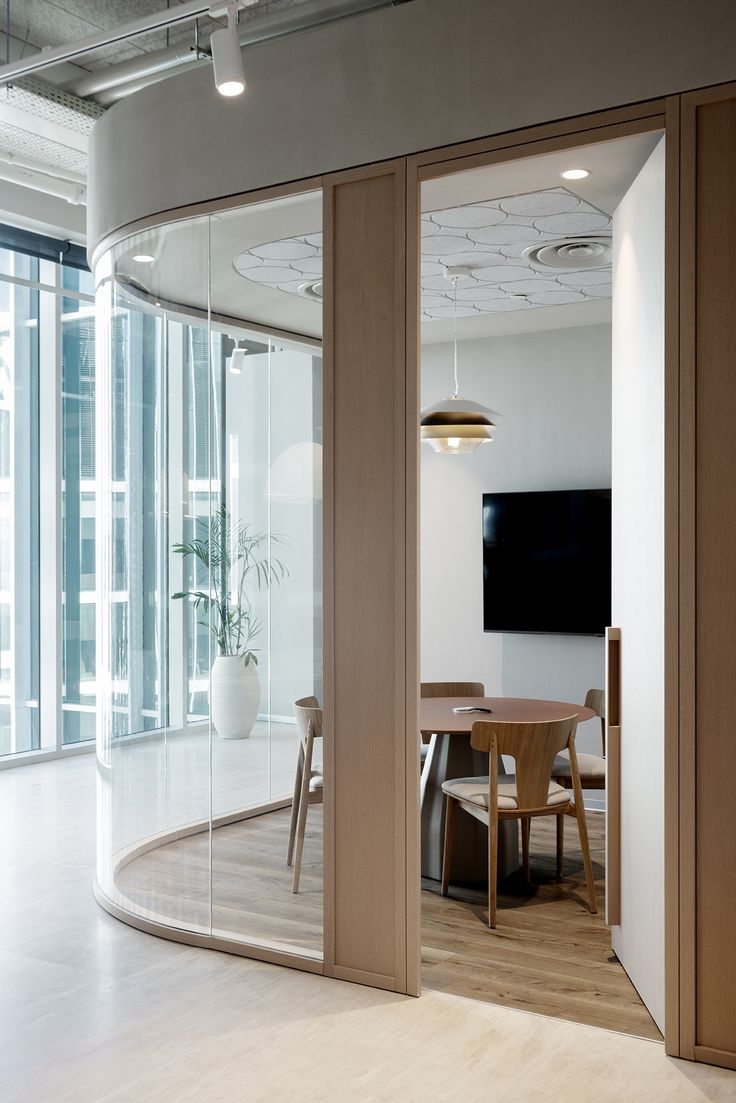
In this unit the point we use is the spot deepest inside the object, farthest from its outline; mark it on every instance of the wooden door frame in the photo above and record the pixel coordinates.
(684, 830)
(661, 114)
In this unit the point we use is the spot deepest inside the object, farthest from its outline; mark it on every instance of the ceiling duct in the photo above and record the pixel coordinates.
(131, 75)
(572, 254)
(73, 193)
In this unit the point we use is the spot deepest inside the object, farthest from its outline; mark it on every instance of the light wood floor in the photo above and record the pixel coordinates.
(548, 954)
(251, 883)
(98, 1012)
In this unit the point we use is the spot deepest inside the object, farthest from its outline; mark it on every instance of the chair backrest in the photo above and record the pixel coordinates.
(533, 748)
(595, 699)
(452, 689)
(308, 718)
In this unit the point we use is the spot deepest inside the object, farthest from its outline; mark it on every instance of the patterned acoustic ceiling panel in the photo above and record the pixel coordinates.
(488, 238)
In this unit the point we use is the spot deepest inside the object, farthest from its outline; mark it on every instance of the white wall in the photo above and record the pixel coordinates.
(638, 571)
(554, 390)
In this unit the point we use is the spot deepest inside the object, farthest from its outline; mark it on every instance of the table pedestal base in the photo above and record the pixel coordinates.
(451, 756)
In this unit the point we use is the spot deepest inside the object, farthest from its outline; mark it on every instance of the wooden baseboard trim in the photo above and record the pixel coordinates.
(719, 1057)
(358, 976)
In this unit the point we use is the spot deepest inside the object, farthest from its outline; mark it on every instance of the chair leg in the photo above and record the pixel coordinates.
(295, 804)
(560, 843)
(526, 824)
(585, 847)
(301, 828)
(447, 848)
(492, 870)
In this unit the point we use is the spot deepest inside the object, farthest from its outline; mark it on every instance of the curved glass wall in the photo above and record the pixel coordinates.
(208, 537)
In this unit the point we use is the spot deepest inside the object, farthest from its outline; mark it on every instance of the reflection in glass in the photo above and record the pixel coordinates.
(209, 585)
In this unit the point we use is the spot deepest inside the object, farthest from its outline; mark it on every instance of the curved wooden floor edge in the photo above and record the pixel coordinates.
(154, 923)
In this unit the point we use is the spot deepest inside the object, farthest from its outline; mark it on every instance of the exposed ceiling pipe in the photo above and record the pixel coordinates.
(76, 194)
(8, 158)
(120, 91)
(258, 28)
(146, 65)
(43, 59)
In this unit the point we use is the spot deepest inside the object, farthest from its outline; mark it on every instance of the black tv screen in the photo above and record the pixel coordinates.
(547, 562)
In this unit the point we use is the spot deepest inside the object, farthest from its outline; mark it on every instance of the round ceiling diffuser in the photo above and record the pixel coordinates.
(571, 254)
(312, 289)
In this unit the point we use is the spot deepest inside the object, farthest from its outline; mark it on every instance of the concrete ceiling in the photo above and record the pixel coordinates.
(43, 127)
(40, 23)
(178, 273)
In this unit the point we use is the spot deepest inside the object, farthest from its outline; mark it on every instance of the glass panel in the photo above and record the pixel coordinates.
(209, 576)
(156, 777)
(19, 507)
(272, 487)
(78, 508)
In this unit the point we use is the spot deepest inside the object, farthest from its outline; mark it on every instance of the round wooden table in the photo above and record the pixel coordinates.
(449, 756)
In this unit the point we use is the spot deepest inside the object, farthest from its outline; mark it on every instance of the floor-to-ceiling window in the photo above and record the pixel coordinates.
(48, 496)
(78, 505)
(19, 504)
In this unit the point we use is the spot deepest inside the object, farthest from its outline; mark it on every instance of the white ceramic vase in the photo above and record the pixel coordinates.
(235, 694)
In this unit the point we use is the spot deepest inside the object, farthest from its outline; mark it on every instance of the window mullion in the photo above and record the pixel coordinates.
(50, 508)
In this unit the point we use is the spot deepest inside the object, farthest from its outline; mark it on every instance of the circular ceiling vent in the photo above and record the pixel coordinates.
(570, 254)
(312, 289)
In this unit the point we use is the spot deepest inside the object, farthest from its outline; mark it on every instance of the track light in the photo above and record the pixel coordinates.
(227, 59)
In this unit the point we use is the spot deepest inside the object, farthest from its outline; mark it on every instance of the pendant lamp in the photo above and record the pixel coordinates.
(456, 426)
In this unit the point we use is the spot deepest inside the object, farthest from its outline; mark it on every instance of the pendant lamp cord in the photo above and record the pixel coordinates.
(454, 334)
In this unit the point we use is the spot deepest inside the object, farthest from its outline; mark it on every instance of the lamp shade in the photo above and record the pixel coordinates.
(457, 426)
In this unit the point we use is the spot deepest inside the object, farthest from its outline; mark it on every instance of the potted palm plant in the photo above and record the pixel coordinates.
(230, 562)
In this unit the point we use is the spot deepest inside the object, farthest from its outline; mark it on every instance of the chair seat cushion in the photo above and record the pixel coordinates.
(589, 765)
(474, 790)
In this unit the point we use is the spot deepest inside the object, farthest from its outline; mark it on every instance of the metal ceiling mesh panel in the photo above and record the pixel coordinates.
(48, 102)
(23, 143)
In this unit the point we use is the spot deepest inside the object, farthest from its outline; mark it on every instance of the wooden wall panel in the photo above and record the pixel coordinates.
(367, 707)
(715, 578)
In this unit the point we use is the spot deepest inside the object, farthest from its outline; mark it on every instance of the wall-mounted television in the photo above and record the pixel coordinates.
(547, 562)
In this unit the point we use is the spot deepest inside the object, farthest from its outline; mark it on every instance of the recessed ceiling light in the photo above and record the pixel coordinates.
(575, 174)
(143, 258)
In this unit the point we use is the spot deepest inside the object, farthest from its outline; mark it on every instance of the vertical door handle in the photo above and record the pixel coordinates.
(613, 776)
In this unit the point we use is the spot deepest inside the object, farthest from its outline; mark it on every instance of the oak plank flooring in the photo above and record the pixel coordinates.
(548, 954)
(251, 883)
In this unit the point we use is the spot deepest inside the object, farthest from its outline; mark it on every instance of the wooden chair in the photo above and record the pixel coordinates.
(308, 783)
(592, 769)
(447, 689)
(452, 689)
(523, 795)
